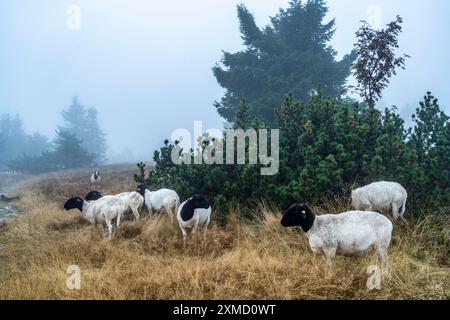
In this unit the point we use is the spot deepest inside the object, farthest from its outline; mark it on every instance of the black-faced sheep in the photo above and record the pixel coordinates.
(193, 213)
(103, 210)
(351, 233)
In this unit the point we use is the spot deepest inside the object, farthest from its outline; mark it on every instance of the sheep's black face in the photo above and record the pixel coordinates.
(141, 189)
(93, 195)
(74, 203)
(298, 215)
(199, 202)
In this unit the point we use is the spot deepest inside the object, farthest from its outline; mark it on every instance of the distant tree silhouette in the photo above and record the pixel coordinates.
(83, 122)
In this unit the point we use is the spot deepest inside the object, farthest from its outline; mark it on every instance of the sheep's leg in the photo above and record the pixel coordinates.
(403, 209)
(150, 211)
(383, 259)
(170, 213)
(135, 213)
(205, 228)
(119, 217)
(330, 254)
(195, 227)
(395, 211)
(110, 228)
(173, 213)
(183, 231)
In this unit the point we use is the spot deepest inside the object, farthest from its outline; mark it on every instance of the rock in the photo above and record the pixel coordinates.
(8, 199)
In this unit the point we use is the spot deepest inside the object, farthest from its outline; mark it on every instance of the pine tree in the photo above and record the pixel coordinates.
(243, 116)
(430, 122)
(83, 122)
(69, 152)
(290, 55)
(429, 143)
(14, 136)
(439, 167)
(390, 146)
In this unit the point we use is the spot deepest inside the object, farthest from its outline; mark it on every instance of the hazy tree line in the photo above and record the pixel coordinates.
(288, 78)
(78, 143)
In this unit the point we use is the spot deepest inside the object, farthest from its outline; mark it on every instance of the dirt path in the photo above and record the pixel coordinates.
(8, 183)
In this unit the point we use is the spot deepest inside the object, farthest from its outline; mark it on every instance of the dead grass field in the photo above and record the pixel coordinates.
(146, 260)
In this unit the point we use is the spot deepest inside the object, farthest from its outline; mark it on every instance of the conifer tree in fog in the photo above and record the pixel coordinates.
(15, 142)
(290, 55)
(68, 153)
(83, 122)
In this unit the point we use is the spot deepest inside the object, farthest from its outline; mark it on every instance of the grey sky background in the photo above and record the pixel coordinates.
(146, 65)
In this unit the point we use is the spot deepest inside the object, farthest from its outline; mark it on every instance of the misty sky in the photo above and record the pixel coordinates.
(146, 65)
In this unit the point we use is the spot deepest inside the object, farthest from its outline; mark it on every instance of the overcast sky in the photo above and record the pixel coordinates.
(146, 64)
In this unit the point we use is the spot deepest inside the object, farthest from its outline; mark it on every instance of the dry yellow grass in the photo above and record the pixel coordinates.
(146, 260)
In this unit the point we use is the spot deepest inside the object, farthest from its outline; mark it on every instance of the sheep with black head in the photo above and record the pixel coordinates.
(103, 210)
(352, 233)
(195, 212)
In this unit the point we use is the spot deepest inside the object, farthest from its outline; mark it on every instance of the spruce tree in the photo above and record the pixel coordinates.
(290, 55)
(83, 123)
(69, 152)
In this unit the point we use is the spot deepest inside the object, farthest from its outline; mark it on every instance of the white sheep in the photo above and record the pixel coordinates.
(161, 200)
(381, 196)
(134, 201)
(193, 213)
(103, 210)
(351, 233)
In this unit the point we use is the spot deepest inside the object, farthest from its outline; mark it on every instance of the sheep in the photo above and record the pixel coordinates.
(95, 177)
(163, 199)
(381, 196)
(351, 233)
(133, 199)
(194, 212)
(93, 195)
(103, 210)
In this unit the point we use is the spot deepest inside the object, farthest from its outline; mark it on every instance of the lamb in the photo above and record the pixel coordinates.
(103, 210)
(160, 200)
(351, 233)
(381, 196)
(194, 212)
(133, 199)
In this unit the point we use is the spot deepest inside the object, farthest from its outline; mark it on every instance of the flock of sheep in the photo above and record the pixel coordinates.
(193, 213)
(351, 233)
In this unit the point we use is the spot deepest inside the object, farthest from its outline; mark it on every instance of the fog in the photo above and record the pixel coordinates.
(146, 65)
